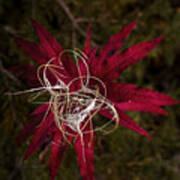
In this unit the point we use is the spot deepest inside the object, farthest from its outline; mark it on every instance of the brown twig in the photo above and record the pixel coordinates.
(75, 22)
(33, 4)
(6, 74)
(9, 29)
(74, 37)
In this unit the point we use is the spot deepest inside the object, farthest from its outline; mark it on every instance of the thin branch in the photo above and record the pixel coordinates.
(80, 20)
(75, 21)
(67, 10)
(33, 12)
(74, 42)
(9, 29)
(5, 72)
(18, 166)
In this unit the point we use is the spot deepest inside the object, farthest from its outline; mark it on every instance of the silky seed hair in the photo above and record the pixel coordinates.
(72, 109)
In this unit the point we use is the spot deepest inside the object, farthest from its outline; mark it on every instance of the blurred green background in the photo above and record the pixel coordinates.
(122, 155)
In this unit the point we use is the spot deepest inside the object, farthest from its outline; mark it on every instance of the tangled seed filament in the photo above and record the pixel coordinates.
(74, 109)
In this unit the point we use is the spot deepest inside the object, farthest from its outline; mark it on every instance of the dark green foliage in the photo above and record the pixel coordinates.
(123, 154)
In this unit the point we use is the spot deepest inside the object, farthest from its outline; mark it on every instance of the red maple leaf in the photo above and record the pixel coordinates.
(79, 91)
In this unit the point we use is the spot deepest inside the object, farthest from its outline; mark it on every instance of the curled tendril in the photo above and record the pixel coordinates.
(73, 109)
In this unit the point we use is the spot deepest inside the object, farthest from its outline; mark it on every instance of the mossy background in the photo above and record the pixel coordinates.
(122, 155)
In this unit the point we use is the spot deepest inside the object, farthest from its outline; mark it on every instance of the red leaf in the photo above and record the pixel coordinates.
(88, 48)
(126, 121)
(53, 48)
(89, 59)
(56, 155)
(116, 41)
(145, 107)
(113, 44)
(31, 48)
(58, 148)
(48, 42)
(29, 129)
(41, 135)
(85, 154)
(40, 109)
(27, 73)
(130, 92)
(120, 61)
